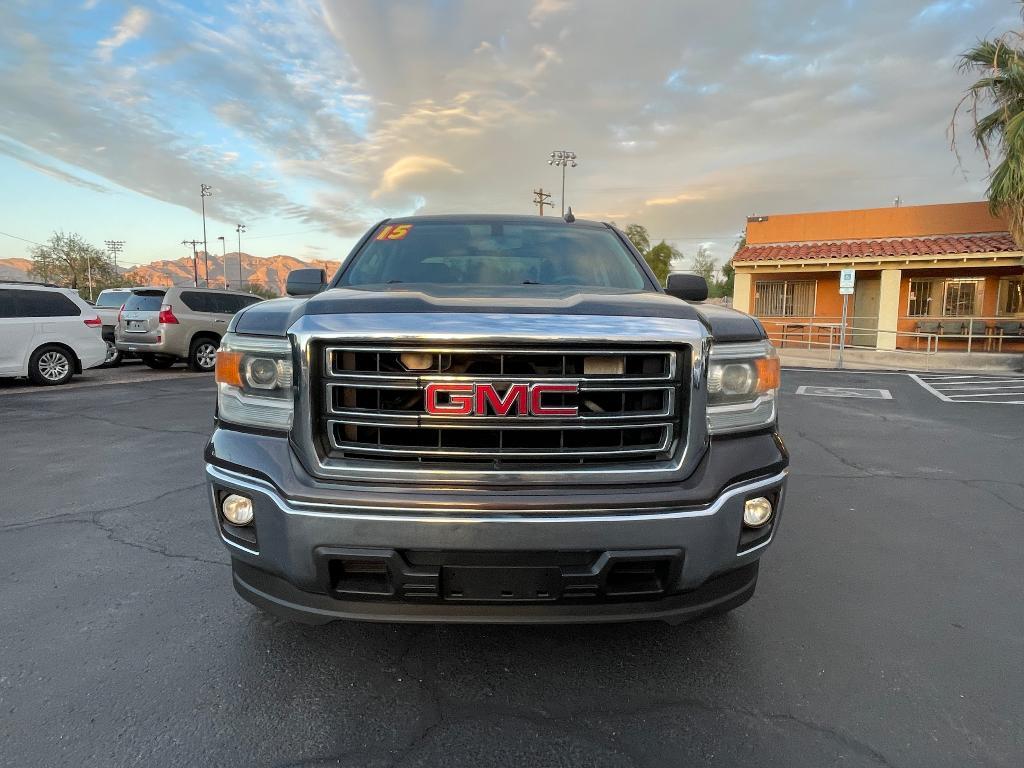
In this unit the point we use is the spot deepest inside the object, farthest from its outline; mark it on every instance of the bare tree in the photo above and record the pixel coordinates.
(68, 260)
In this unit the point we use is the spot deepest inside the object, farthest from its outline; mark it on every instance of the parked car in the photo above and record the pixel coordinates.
(108, 305)
(165, 325)
(47, 333)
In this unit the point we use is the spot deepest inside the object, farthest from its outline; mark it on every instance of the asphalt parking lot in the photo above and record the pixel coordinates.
(887, 630)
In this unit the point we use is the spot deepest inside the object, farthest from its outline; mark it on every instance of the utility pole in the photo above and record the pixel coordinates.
(563, 157)
(240, 228)
(224, 258)
(195, 261)
(88, 265)
(114, 247)
(204, 192)
(540, 199)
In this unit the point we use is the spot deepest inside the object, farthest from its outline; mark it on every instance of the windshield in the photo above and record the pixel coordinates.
(145, 301)
(112, 299)
(495, 253)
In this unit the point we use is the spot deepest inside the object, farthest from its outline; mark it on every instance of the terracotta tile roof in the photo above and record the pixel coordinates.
(850, 249)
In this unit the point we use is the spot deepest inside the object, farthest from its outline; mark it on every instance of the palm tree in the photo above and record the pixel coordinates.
(999, 65)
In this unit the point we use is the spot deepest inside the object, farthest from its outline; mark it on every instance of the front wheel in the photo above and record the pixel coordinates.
(51, 365)
(158, 362)
(202, 355)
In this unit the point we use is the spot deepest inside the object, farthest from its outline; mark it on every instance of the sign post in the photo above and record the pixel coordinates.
(847, 278)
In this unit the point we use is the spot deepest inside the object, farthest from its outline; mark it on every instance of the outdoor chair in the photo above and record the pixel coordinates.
(926, 326)
(952, 327)
(1000, 330)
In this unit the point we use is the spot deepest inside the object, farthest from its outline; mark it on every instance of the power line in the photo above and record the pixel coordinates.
(23, 239)
(286, 234)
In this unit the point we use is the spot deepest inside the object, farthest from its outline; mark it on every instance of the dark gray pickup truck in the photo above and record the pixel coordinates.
(495, 419)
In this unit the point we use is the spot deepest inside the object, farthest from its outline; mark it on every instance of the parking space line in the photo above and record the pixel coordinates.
(930, 388)
(983, 384)
(995, 394)
(974, 388)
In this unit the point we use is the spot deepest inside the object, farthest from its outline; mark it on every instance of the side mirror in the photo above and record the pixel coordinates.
(305, 282)
(683, 285)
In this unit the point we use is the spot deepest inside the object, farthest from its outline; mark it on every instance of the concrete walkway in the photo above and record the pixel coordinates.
(872, 359)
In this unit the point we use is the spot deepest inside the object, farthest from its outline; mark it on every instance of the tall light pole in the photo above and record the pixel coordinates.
(240, 228)
(224, 258)
(563, 157)
(114, 247)
(204, 192)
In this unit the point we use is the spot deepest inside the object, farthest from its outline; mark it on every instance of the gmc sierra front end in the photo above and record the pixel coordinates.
(495, 419)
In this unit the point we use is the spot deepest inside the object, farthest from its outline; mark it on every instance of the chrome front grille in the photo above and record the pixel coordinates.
(630, 405)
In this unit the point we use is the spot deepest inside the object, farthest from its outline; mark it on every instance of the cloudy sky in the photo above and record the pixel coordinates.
(313, 120)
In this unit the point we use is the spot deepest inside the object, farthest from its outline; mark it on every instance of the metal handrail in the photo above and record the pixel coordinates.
(805, 331)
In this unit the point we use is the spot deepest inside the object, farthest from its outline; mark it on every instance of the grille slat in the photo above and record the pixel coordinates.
(628, 405)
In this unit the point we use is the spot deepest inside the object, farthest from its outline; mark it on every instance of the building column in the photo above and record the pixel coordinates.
(741, 291)
(888, 308)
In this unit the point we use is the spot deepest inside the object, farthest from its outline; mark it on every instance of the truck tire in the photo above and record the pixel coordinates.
(51, 365)
(202, 354)
(114, 356)
(158, 362)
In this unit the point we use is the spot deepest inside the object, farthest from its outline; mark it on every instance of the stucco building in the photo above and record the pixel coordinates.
(941, 275)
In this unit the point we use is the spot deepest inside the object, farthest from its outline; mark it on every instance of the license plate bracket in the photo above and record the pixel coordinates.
(501, 584)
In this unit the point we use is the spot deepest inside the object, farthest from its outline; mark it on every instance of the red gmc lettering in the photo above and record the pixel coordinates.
(482, 399)
(537, 392)
(515, 395)
(460, 399)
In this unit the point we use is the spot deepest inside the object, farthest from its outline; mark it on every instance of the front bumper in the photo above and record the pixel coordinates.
(285, 570)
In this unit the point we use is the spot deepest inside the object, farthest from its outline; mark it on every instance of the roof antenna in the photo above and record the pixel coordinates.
(569, 218)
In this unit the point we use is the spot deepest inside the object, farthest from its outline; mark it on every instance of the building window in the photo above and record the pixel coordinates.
(923, 295)
(939, 297)
(963, 298)
(784, 298)
(1011, 296)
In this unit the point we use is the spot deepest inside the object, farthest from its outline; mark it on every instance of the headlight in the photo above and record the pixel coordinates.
(255, 385)
(743, 383)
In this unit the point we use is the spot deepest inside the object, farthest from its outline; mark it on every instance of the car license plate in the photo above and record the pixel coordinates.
(136, 325)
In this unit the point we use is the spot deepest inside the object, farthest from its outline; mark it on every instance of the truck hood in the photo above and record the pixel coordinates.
(275, 317)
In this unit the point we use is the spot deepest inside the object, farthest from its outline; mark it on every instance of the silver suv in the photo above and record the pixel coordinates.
(164, 325)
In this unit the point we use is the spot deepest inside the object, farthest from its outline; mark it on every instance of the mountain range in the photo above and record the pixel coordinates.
(269, 272)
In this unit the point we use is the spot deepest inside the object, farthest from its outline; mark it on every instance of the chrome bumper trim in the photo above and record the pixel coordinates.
(442, 516)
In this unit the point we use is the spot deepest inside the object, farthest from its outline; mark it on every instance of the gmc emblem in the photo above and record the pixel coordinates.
(483, 400)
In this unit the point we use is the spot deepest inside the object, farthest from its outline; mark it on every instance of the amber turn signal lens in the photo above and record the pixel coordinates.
(229, 368)
(769, 373)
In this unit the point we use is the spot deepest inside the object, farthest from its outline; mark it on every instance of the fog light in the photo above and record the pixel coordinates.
(237, 510)
(757, 512)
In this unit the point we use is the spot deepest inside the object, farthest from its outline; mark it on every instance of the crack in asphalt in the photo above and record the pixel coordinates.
(92, 517)
(85, 513)
(442, 711)
(835, 455)
(113, 423)
(112, 535)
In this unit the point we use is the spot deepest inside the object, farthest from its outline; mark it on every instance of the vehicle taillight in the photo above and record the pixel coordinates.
(93, 322)
(119, 313)
(166, 316)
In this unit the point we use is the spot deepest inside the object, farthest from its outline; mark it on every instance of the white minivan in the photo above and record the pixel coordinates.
(47, 333)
